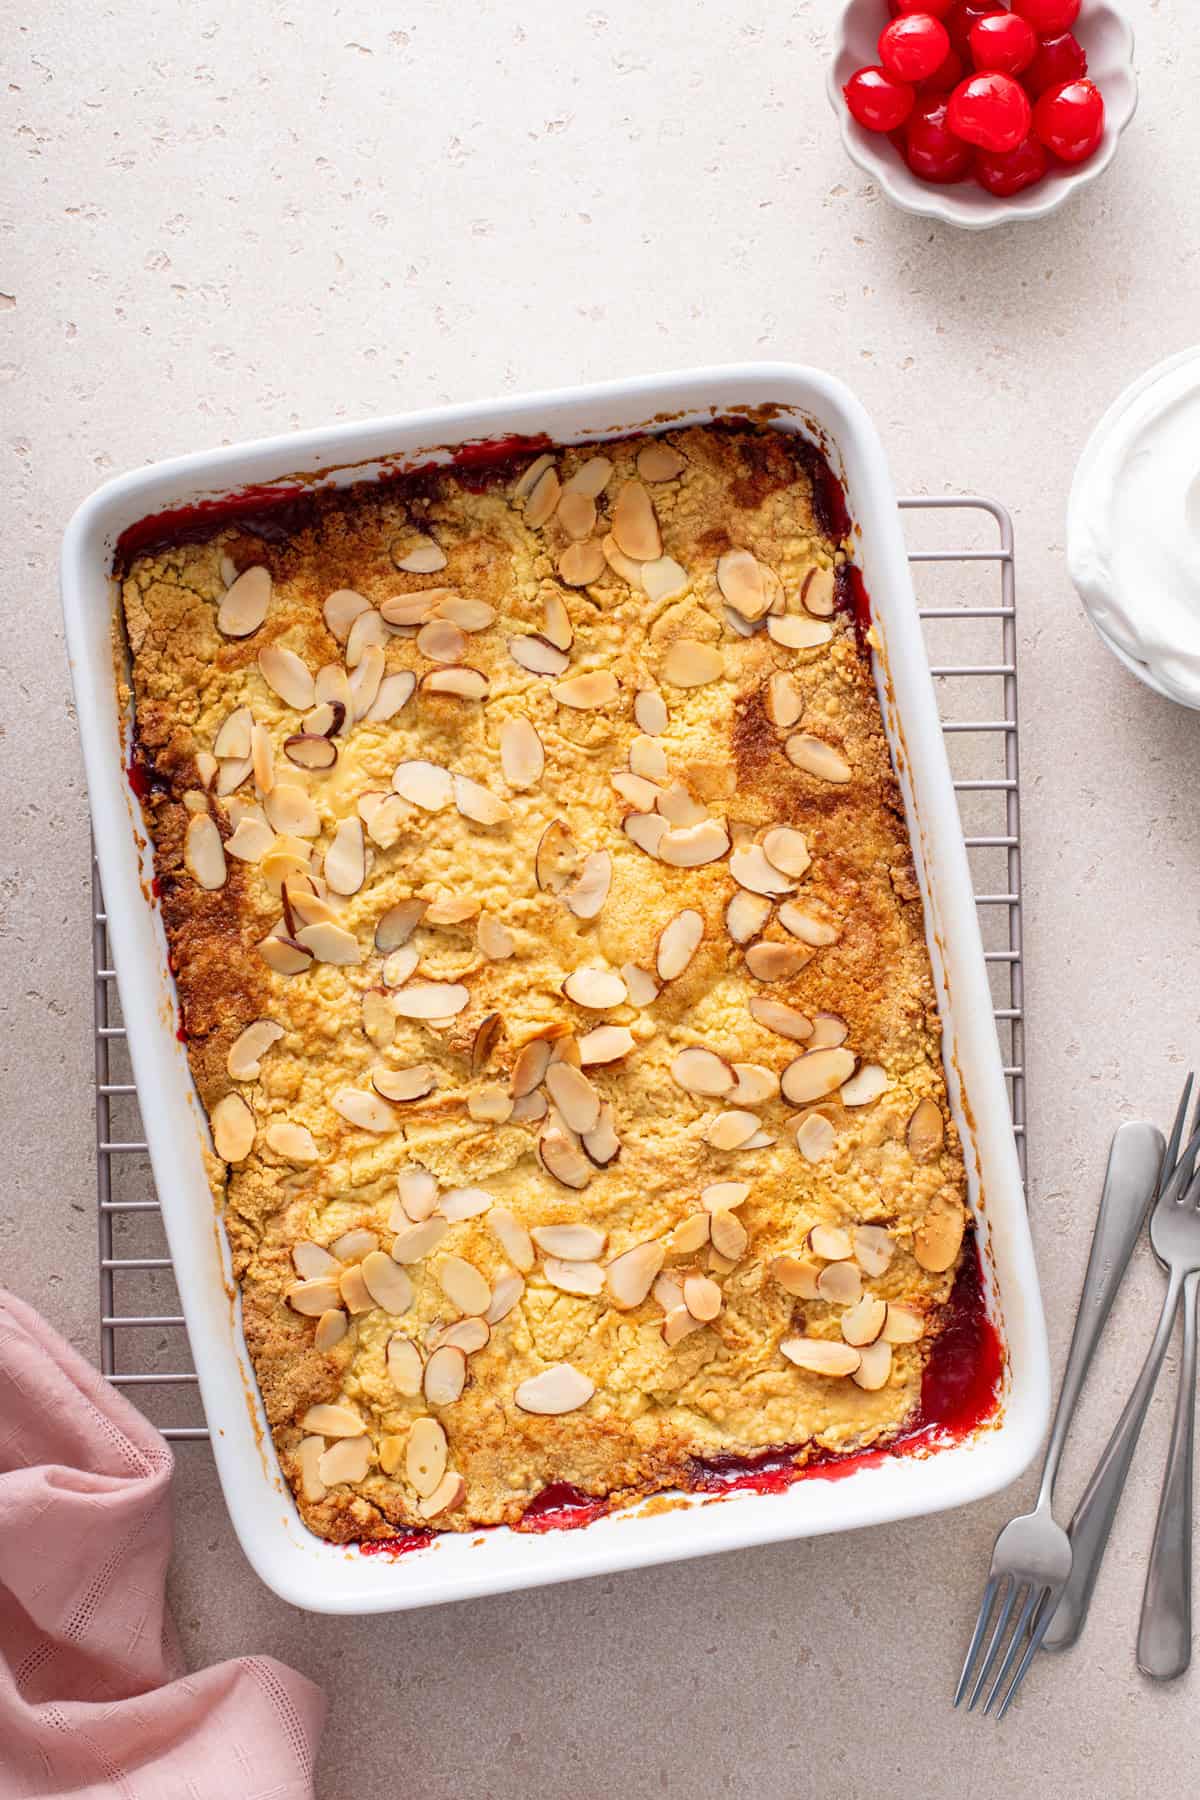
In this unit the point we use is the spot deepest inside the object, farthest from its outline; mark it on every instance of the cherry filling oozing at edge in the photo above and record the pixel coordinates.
(960, 1391)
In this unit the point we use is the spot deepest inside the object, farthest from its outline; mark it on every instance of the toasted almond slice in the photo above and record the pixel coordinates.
(702, 1297)
(293, 1142)
(366, 680)
(306, 907)
(701, 1071)
(355, 1243)
(405, 611)
(679, 806)
(751, 868)
(690, 1235)
(817, 758)
(606, 1044)
(634, 525)
(596, 989)
(445, 1375)
(308, 751)
(745, 915)
(590, 478)
(284, 955)
(621, 565)
(538, 655)
(873, 1249)
(762, 1140)
(691, 846)
(795, 1275)
(562, 1158)
(332, 688)
(245, 1053)
(449, 1493)
(329, 943)
(353, 1289)
(478, 803)
(244, 604)
(512, 1237)
(441, 640)
(345, 860)
(787, 850)
(461, 682)
(489, 1105)
(543, 500)
(232, 1128)
(340, 610)
(387, 1283)
(398, 967)
(678, 942)
(233, 738)
(840, 1283)
(831, 1243)
(231, 773)
(379, 1021)
(332, 1327)
(287, 676)
(404, 1365)
(413, 1243)
(731, 1130)
(574, 1096)
(818, 591)
(291, 811)
(206, 768)
(926, 1131)
(348, 1460)
(678, 1324)
(591, 692)
(724, 1196)
(431, 1000)
(576, 513)
(815, 1137)
(650, 712)
(864, 1321)
(531, 475)
(797, 632)
(740, 579)
(331, 1420)
(417, 1192)
(784, 702)
(530, 1067)
(558, 1389)
(397, 924)
(643, 989)
(938, 1239)
(755, 1085)
(204, 853)
(368, 632)
(815, 1075)
(424, 557)
(659, 461)
(581, 564)
(648, 760)
(874, 1368)
(468, 614)
(384, 816)
(772, 961)
(630, 1276)
(468, 1335)
(394, 692)
(583, 1278)
(729, 1236)
(601, 1145)
(570, 1243)
(664, 577)
(904, 1324)
(488, 1033)
(806, 927)
(424, 784)
(522, 756)
(556, 859)
(312, 1298)
(865, 1086)
(369, 1112)
(451, 909)
(590, 890)
(689, 663)
(506, 1293)
(829, 1030)
(425, 1455)
(646, 830)
(495, 940)
(821, 1356)
(463, 1284)
(640, 793)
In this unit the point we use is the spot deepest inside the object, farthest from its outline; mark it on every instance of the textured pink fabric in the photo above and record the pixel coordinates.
(94, 1700)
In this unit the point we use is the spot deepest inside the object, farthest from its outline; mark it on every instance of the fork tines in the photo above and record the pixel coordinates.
(1030, 1629)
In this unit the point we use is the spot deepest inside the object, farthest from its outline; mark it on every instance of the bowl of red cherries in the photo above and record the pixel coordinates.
(979, 113)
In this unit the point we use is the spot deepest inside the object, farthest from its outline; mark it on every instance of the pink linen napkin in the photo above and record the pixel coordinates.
(94, 1699)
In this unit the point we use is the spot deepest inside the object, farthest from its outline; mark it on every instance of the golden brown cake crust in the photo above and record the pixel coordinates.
(774, 736)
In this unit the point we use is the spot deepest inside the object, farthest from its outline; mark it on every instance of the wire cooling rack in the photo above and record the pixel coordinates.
(963, 572)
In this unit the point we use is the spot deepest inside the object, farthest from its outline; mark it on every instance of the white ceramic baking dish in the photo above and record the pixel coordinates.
(327, 1578)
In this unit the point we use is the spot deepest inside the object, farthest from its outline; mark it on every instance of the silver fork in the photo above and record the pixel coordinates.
(1031, 1556)
(1175, 1235)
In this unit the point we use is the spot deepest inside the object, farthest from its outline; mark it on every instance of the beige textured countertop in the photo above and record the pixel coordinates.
(222, 221)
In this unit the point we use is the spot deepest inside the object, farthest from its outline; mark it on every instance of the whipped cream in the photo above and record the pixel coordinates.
(1133, 527)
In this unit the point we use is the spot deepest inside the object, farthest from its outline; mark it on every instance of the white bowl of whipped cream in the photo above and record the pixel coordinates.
(1133, 528)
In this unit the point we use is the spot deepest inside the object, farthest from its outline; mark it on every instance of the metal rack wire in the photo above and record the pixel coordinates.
(966, 593)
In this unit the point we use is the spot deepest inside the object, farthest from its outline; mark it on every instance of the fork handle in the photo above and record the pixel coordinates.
(1089, 1529)
(1164, 1647)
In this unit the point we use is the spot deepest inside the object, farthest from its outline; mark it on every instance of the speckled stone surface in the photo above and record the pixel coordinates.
(219, 222)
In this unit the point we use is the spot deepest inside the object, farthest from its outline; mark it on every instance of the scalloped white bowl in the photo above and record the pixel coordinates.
(1107, 41)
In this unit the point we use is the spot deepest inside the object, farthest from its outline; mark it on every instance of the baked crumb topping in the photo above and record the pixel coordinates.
(553, 974)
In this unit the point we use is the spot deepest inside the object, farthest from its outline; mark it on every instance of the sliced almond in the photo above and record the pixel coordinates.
(873, 1249)
(368, 632)
(425, 1455)
(596, 989)
(286, 675)
(355, 1243)
(601, 1144)
(295, 1143)
(691, 846)
(206, 768)
(634, 525)
(829, 1030)
(332, 688)
(570, 1243)
(689, 663)
(340, 610)
(346, 1461)
(285, 956)
(245, 1053)
(751, 868)
(422, 557)
(580, 565)
(558, 1389)
(354, 1293)
(591, 477)
(606, 1044)
(646, 830)
(593, 692)
(404, 1365)
(831, 1242)
(589, 892)
(740, 579)
(531, 475)
(312, 1298)
(416, 1191)
(204, 853)
(701, 1071)
(424, 784)
(461, 682)
(329, 943)
(543, 499)
(815, 1075)
(394, 692)
(679, 806)
(678, 1324)
(574, 1096)
(746, 915)
(796, 632)
(702, 1297)
(387, 1283)
(731, 1130)
(630, 1276)
(821, 1356)
(874, 1368)
(463, 1284)
(244, 604)
(397, 924)
(445, 1375)
(530, 1067)
(926, 1130)
(904, 1324)
(690, 1235)
(367, 679)
(441, 640)
(512, 1237)
(449, 1493)
(368, 1112)
(506, 1294)
(642, 987)
(755, 1086)
(231, 773)
(648, 760)
(538, 655)
(724, 1196)
(650, 712)
(659, 461)
(468, 614)
(478, 803)
(815, 1137)
(583, 1278)
(451, 909)
(413, 1243)
(840, 1283)
(522, 756)
(729, 1236)
(865, 1086)
(769, 960)
(938, 1239)
(233, 738)
(577, 513)
(398, 967)
(332, 1327)
(232, 1128)
(384, 816)
(555, 861)
(639, 792)
(291, 811)
(796, 1275)
(806, 927)
(431, 1000)
(678, 942)
(345, 860)
(787, 850)
(306, 907)
(818, 591)
(784, 702)
(864, 1321)
(309, 751)
(664, 577)
(562, 1158)
(817, 758)
(495, 941)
